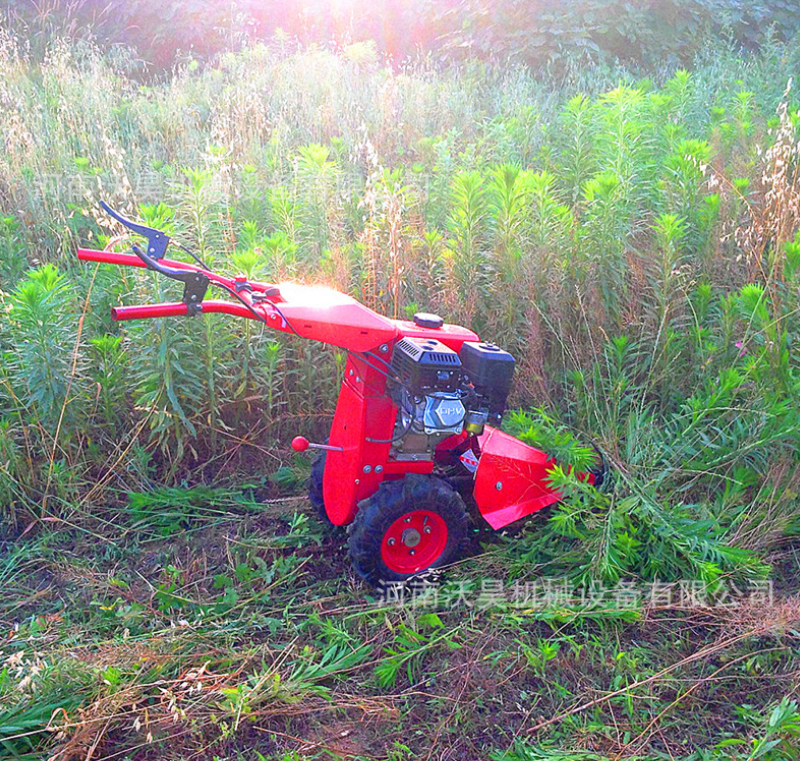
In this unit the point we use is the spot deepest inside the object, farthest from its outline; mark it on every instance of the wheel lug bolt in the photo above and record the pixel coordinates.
(411, 552)
(427, 529)
(408, 520)
(391, 542)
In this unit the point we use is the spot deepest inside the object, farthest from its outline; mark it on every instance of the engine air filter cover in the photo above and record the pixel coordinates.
(424, 365)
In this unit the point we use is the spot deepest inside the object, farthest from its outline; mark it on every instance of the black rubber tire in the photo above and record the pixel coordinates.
(315, 487)
(393, 499)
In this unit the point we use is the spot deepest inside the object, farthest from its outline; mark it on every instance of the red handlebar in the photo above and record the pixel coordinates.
(119, 314)
(314, 312)
(109, 257)
(175, 309)
(178, 308)
(131, 260)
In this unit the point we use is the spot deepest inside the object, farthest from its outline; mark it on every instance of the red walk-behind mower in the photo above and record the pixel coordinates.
(414, 438)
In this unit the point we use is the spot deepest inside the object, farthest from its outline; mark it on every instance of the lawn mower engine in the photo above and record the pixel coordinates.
(440, 393)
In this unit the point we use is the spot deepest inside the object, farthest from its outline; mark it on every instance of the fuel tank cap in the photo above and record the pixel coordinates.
(428, 320)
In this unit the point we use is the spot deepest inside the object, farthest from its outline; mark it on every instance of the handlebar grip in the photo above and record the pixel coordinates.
(178, 309)
(133, 260)
(109, 257)
(175, 309)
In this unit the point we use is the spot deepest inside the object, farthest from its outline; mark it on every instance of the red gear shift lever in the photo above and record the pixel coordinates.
(301, 444)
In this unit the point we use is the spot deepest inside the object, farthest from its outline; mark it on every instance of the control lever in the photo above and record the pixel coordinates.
(195, 284)
(301, 444)
(157, 241)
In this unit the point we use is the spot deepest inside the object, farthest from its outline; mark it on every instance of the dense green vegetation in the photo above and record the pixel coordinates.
(541, 33)
(629, 236)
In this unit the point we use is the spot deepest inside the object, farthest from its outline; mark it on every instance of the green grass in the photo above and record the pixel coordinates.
(248, 635)
(633, 242)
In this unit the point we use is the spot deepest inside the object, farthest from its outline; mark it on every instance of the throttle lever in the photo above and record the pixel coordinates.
(157, 266)
(157, 241)
(195, 284)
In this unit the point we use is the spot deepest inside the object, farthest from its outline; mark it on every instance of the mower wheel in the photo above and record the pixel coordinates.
(315, 487)
(407, 527)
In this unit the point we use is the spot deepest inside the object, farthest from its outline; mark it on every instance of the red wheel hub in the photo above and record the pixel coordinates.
(414, 541)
